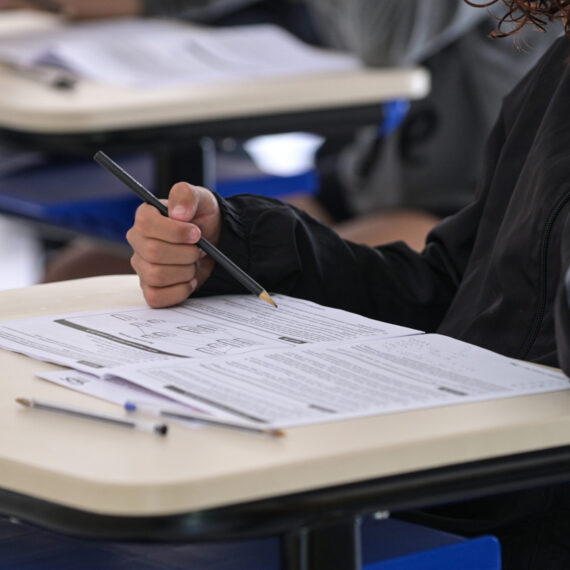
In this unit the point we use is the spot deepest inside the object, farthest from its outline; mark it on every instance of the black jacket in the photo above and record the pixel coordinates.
(492, 275)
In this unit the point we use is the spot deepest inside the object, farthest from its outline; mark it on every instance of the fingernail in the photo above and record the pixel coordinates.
(193, 284)
(178, 212)
(193, 234)
(202, 254)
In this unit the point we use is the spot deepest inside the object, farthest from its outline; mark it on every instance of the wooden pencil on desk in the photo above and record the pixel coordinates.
(236, 272)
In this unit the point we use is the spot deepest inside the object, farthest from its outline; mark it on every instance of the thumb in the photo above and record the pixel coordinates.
(182, 202)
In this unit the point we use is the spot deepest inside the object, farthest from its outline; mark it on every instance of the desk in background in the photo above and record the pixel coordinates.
(204, 484)
(180, 122)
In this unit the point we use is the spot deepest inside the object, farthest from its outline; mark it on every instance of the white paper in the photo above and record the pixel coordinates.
(237, 357)
(332, 381)
(200, 328)
(115, 390)
(156, 53)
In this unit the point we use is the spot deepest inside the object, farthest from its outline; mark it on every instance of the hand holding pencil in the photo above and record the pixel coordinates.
(169, 246)
(166, 256)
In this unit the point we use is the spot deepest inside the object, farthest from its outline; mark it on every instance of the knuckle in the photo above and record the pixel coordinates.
(143, 223)
(154, 297)
(152, 251)
(155, 276)
(134, 262)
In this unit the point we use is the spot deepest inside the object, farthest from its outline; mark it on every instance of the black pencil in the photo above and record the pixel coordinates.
(236, 272)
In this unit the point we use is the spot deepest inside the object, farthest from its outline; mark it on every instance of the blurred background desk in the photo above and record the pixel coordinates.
(174, 120)
(166, 134)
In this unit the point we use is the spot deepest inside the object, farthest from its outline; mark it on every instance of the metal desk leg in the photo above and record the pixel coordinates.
(190, 162)
(332, 545)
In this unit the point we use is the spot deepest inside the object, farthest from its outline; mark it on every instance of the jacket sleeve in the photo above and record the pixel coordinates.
(562, 308)
(289, 252)
(393, 32)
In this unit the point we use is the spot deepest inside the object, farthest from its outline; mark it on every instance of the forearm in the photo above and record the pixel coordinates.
(393, 32)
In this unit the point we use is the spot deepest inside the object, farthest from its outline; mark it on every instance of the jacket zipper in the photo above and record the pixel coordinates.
(543, 273)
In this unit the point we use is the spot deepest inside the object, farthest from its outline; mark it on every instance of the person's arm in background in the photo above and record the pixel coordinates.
(393, 32)
(80, 9)
(199, 10)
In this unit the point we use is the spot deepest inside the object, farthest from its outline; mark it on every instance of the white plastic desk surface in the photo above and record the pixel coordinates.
(28, 106)
(108, 470)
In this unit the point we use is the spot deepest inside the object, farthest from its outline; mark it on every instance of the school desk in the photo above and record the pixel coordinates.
(179, 123)
(309, 487)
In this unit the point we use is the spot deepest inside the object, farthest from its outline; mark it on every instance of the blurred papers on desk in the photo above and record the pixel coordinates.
(160, 53)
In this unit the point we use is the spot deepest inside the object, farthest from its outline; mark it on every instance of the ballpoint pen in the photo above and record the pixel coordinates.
(181, 414)
(122, 421)
(239, 274)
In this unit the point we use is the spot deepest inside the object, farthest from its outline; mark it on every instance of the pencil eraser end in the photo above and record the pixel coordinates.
(130, 407)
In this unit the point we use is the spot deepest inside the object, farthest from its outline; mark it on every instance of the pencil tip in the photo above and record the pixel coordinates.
(24, 402)
(265, 296)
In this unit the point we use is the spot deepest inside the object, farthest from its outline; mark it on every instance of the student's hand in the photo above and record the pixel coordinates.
(169, 264)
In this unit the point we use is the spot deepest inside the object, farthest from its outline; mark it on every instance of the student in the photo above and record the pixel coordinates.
(397, 187)
(492, 274)
(383, 183)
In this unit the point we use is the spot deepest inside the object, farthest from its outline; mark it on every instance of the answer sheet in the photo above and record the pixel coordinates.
(236, 357)
(338, 380)
(325, 382)
(200, 328)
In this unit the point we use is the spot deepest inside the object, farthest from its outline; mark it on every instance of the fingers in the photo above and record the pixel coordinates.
(187, 202)
(183, 202)
(166, 256)
(151, 224)
(165, 285)
(155, 275)
(161, 252)
(167, 271)
(158, 298)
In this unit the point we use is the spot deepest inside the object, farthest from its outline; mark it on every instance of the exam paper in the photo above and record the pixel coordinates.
(114, 390)
(338, 380)
(155, 53)
(235, 357)
(200, 328)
